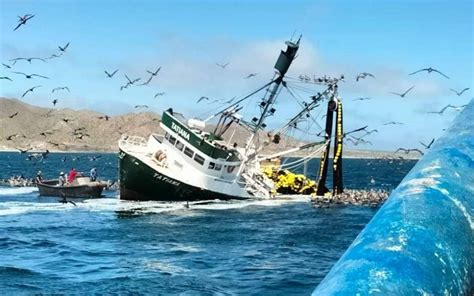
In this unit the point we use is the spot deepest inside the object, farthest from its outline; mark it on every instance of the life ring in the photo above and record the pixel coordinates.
(230, 169)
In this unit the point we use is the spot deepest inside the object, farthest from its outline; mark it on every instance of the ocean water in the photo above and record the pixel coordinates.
(278, 247)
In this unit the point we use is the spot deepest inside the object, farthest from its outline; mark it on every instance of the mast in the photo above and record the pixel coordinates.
(282, 65)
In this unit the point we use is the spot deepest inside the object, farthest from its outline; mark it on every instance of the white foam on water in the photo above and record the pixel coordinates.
(111, 205)
(16, 207)
(16, 190)
(165, 267)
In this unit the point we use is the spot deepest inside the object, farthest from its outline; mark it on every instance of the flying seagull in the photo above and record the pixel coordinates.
(250, 75)
(54, 56)
(429, 145)
(23, 151)
(222, 65)
(393, 122)
(159, 94)
(27, 59)
(23, 19)
(361, 99)
(409, 150)
(6, 66)
(154, 73)
(110, 75)
(30, 89)
(460, 92)
(6, 78)
(30, 76)
(63, 49)
(440, 112)
(106, 117)
(403, 94)
(141, 106)
(60, 88)
(55, 101)
(13, 115)
(363, 75)
(202, 98)
(44, 134)
(370, 132)
(429, 70)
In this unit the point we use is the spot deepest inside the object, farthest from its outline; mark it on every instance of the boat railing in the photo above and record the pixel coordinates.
(133, 141)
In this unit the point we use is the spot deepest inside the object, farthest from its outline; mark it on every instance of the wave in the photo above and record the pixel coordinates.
(132, 208)
(17, 190)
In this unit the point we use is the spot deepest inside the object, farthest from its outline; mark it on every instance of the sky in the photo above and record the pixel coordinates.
(389, 39)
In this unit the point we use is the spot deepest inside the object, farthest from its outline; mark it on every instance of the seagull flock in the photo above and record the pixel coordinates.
(80, 133)
(357, 140)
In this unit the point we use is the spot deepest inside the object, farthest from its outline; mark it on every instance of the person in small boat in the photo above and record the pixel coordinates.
(62, 179)
(93, 174)
(71, 176)
(39, 177)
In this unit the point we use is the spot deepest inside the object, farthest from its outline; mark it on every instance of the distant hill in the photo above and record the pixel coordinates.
(98, 134)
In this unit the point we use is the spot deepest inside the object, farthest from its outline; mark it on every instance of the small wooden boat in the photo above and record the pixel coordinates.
(82, 187)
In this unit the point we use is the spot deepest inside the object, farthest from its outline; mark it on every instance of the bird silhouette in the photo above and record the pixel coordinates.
(361, 99)
(10, 137)
(6, 66)
(66, 120)
(429, 145)
(393, 122)
(27, 59)
(63, 49)
(364, 75)
(403, 94)
(22, 20)
(202, 98)
(60, 88)
(94, 158)
(44, 134)
(55, 101)
(141, 106)
(30, 76)
(6, 78)
(222, 65)
(409, 150)
(54, 56)
(30, 90)
(109, 74)
(23, 151)
(429, 70)
(65, 201)
(440, 112)
(154, 73)
(13, 115)
(251, 75)
(159, 94)
(459, 93)
(106, 117)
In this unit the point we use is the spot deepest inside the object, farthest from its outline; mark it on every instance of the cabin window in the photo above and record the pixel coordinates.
(179, 145)
(211, 165)
(218, 167)
(172, 140)
(188, 152)
(167, 136)
(199, 159)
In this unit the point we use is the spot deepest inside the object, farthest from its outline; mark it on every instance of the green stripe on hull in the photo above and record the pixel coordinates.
(195, 140)
(138, 181)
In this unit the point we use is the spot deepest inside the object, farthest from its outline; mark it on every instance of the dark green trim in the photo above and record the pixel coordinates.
(195, 140)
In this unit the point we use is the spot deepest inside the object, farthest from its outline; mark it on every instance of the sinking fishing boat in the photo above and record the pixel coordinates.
(189, 162)
(82, 187)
